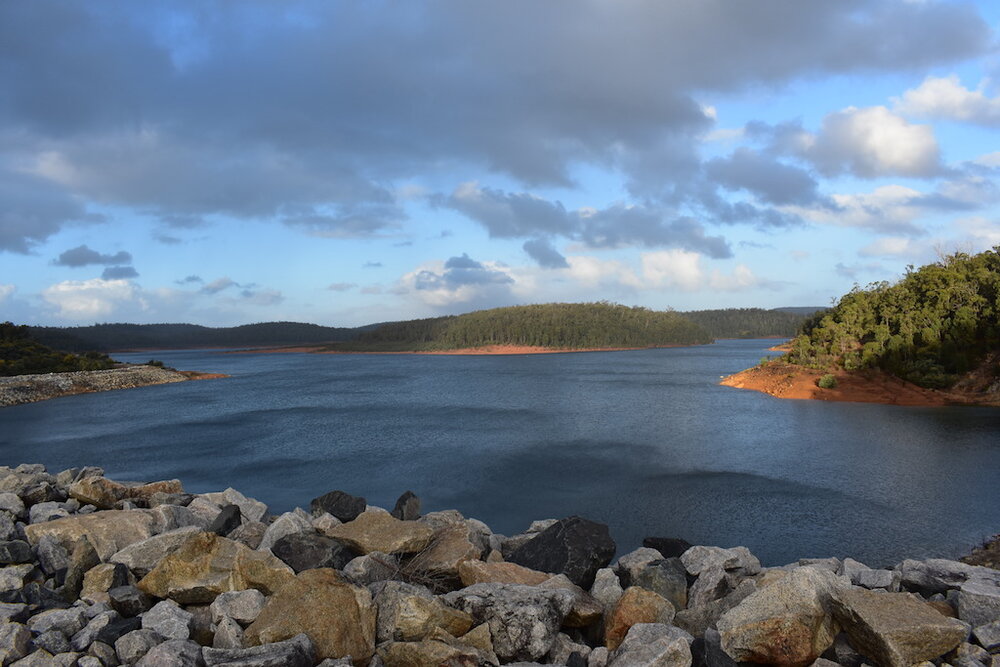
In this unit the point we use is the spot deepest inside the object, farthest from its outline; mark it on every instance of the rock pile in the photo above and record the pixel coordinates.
(19, 389)
(97, 573)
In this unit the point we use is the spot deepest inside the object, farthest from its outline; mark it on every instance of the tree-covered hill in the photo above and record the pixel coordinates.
(20, 354)
(553, 325)
(107, 337)
(750, 322)
(937, 323)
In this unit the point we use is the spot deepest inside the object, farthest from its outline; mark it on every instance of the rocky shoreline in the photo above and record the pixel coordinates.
(20, 389)
(101, 573)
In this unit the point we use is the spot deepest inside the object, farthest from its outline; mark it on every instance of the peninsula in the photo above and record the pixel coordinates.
(933, 338)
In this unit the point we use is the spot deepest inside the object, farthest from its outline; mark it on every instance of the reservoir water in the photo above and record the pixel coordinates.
(645, 441)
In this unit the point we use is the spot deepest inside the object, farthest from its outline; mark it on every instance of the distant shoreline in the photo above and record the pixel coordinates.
(486, 350)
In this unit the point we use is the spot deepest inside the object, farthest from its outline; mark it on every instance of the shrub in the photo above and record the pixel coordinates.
(828, 381)
(155, 362)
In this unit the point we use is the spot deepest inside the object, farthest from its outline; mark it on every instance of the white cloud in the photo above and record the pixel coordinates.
(981, 232)
(87, 299)
(991, 160)
(891, 246)
(873, 142)
(947, 98)
(682, 269)
(6, 291)
(440, 284)
(591, 272)
(889, 209)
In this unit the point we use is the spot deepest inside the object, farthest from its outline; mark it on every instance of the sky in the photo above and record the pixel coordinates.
(344, 163)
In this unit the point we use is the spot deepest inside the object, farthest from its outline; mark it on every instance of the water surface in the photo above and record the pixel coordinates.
(646, 441)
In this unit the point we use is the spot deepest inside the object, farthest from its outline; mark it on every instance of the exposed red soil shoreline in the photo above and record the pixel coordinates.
(485, 350)
(783, 380)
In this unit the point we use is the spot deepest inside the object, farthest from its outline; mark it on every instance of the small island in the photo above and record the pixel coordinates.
(931, 339)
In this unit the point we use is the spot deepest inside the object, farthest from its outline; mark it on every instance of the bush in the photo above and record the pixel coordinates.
(828, 381)
(155, 362)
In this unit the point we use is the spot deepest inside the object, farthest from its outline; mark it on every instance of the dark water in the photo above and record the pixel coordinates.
(645, 441)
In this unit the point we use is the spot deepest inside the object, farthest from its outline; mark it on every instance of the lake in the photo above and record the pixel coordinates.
(645, 441)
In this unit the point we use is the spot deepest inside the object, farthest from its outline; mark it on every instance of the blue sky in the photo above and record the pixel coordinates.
(344, 163)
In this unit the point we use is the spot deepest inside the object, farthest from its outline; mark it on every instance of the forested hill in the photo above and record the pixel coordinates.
(751, 322)
(107, 337)
(934, 325)
(21, 354)
(554, 325)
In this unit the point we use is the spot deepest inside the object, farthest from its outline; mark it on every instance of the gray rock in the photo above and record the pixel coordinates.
(172, 517)
(626, 566)
(13, 505)
(82, 557)
(967, 655)
(573, 546)
(250, 509)
(15, 642)
(52, 556)
(665, 576)
(653, 645)
(979, 603)
(523, 620)
(46, 512)
(700, 558)
(240, 606)
(711, 585)
(132, 646)
(13, 612)
(228, 520)
(407, 507)
(168, 619)
(249, 534)
(598, 657)
(129, 600)
(141, 557)
(286, 524)
(104, 653)
(372, 567)
(68, 659)
(710, 653)
(563, 647)
(54, 642)
(607, 588)
(12, 577)
(784, 622)
(342, 505)
(205, 510)
(67, 621)
(295, 652)
(832, 564)
(85, 637)
(15, 552)
(40, 658)
(938, 575)
(228, 634)
(866, 577)
(7, 528)
(895, 629)
(173, 653)
(114, 630)
(988, 635)
(310, 550)
(345, 662)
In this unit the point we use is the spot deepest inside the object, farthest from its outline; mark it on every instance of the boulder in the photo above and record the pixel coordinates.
(585, 610)
(563, 649)
(15, 642)
(449, 548)
(637, 605)
(712, 584)
(338, 617)
(653, 645)
(241, 606)
(988, 635)
(167, 619)
(288, 523)
(101, 579)
(342, 505)
(204, 511)
(226, 521)
(250, 509)
(700, 558)
(308, 551)
(408, 613)
(13, 505)
(109, 532)
(228, 634)
(15, 552)
(131, 647)
(298, 651)
(523, 620)
(53, 641)
(67, 621)
(407, 507)
(895, 629)
(427, 653)
(786, 622)
(626, 566)
(82, 558)
(669, 547)
(979, 602)
(249, 534)
(129, 600)
(665, 576)
(477, 572)
(607, 588)
(206, 565)
(377, 531)
(373, 567)
(104, 493)
(173, 653)
(141, 557)
(574, 546)
(939, 575)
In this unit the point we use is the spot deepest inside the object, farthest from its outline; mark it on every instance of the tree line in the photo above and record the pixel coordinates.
(936, 323)
(20, 354)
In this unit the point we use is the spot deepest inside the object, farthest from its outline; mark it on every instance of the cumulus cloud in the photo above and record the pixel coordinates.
(982, 233)
(460, 280)
(89, 299)
(189, 123)
(218, 285)
(84, 256)
(871, 143)
(763, 176)
(119, 273)
(513, 215)
(542, 252)
(890, 209)
(684, 270)
(189, 280)
(946, 98)
(6, 291)
(890, 246)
